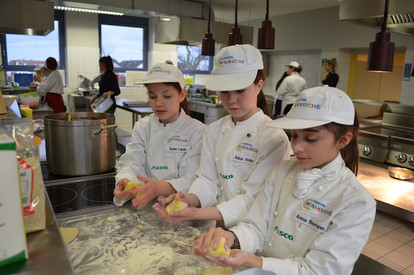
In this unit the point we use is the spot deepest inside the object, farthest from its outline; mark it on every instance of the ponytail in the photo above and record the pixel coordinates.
(350, 153)
(184, 106)
(261, 99)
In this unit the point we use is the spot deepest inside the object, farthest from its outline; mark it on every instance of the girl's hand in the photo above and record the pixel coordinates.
(92, 100)
(149, 191)
(109, 93)
(33, 85)
(119, 191)
(214, 234)
(177, 216)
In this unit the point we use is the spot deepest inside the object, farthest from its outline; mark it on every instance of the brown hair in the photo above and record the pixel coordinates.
(107, 61)
(261, 99)
(177, 86)
(333, 63)
(51, 63)
(298, 69)
(349, 153)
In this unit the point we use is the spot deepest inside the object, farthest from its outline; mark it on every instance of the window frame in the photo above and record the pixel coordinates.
(193, 72)
(126, 21)
(59, 16)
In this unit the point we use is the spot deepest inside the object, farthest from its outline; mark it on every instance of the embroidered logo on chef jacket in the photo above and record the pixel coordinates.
(245, 152)
(160, 167)
(315, 214)
(177, 144)
(283, 234)
(226, 177)
(227, 60)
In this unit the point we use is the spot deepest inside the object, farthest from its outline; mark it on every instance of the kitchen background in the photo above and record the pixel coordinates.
(307, 37)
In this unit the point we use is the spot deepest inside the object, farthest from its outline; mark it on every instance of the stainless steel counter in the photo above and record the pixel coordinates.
(47, 252)
(393, 196)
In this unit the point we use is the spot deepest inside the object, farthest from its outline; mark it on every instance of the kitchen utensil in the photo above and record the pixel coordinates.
(85, 145)
(400, 173)
(102, 104)
(215, 99)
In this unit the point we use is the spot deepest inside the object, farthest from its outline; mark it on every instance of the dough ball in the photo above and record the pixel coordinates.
(176, 205)
(131, 184)
(221, 250)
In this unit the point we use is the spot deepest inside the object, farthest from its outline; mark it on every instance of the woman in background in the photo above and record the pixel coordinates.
(52, 87)
(332, 77)
(108, 84)
(290, 89)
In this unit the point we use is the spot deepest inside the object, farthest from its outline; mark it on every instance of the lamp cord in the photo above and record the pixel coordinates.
(209, 16)
(267, 10)
(235, 15)
(384, 20)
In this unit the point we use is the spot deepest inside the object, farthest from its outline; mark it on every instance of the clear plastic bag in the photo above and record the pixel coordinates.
(32, 186)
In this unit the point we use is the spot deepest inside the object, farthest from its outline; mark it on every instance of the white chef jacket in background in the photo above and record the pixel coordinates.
(235, 160)
(170, 152)
(290, 89)
(323, 232)
(52, 84)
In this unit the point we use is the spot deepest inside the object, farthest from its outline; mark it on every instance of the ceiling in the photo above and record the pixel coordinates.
(256, 9)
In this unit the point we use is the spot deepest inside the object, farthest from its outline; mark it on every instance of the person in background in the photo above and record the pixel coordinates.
(164, 151)
(312, 216)
(289, 90)
(52, 87)
(279, 102)
(40, 76)
(108, 84)
(332, 77)
(238, 150)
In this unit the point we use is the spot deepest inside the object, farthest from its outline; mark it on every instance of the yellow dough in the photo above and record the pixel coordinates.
(176, 205)
(131, 184)
(68, 234)
(220, 250)
(218, 270)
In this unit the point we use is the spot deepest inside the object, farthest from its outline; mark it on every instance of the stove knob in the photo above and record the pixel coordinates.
(401, 158)
(366, 151)
(411, 161)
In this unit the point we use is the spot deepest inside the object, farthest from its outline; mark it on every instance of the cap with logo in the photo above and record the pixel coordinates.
(235, 67)
(318, 106)
(293, 64)
(162, 73)
(39, 67)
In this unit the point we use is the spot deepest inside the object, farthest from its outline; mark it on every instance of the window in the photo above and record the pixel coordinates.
(125, 39)
(190, 60)
(24, 52)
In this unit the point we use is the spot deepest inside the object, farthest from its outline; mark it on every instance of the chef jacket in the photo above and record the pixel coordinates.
(313, 221)
(168, 152)
(290, 89)
(52, 84)
(235, 160)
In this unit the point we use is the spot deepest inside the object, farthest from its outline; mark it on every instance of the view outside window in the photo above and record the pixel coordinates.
(125, 45)
(190, 60)
(30, 50)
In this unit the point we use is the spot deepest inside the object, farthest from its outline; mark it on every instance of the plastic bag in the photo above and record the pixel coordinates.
(32, 186)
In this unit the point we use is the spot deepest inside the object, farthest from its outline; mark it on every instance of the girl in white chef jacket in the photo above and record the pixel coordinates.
(238, 150)
(312, 216)
(164, 151)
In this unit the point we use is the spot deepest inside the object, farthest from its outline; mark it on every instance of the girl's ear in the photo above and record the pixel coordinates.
(259, 85)
(345, 140)
(182, 95)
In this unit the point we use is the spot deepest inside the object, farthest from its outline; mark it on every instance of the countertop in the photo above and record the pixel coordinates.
(47, 251)
(393, 196)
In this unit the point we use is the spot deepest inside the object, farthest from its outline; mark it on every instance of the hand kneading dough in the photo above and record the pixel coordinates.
(176, 205)
(131, 184)
(220, 250)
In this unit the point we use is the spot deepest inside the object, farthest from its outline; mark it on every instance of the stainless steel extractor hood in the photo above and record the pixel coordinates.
(370, 12)
(189, 31)
(26, 17)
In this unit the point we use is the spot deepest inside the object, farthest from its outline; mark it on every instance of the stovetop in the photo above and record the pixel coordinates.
(384, 131)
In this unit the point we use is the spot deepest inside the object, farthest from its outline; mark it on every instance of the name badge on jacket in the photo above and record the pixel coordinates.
(177, 144)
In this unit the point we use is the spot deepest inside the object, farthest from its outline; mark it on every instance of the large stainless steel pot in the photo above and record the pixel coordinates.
(80, 143)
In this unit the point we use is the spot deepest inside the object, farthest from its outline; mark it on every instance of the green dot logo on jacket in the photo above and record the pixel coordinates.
(283, 234)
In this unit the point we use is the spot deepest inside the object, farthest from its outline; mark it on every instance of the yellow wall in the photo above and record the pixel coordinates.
(379, 87)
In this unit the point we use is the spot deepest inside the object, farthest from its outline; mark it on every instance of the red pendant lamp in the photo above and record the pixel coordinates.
(235, 37)
(381, 51)
(208, 43)
(266, 38)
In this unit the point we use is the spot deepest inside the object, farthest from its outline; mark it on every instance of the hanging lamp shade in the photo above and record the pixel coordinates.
(208, 42)
(235, 37)
(266, 37)
(381, 51)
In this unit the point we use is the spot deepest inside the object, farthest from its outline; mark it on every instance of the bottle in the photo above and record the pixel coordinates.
(2, 76)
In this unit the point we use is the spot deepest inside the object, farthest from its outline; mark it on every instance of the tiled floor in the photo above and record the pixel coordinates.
(392, 243)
